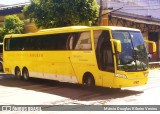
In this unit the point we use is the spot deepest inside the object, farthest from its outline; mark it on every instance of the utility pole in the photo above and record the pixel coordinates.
(100, 12)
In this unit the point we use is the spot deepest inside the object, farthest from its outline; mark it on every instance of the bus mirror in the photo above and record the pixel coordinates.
(153, 45)
(118, 44)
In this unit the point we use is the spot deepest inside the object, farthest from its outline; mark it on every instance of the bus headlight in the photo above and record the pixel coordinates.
(121, 76)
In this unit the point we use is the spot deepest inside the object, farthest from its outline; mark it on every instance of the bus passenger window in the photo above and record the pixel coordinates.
(83, 41)
(7, 45)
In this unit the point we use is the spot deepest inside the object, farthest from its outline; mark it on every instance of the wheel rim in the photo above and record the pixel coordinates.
(90, 82)
(26, 75)
(18, 73)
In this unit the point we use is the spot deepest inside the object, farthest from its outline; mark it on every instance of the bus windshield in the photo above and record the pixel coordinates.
(134, 55)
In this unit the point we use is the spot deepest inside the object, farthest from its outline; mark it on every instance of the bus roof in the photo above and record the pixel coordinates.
(88, 28)
(71, 29)
(122, 28)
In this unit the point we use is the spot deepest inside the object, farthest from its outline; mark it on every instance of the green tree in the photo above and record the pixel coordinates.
(1, 34)
(12, 25)
(57, 13)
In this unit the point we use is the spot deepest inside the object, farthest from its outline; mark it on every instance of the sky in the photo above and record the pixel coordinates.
(9, 2)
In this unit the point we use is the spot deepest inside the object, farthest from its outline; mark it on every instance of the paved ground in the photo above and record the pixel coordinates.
(47, 92)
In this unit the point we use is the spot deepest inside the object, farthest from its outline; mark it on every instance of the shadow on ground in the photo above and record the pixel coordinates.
(68, 90)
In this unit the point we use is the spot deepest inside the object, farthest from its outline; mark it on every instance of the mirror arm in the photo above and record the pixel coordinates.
(118, 43)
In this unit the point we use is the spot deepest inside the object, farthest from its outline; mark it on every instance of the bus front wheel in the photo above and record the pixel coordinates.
(25, 74)
(88, 80)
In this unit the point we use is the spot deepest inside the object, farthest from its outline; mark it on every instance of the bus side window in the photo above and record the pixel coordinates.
(79, 41)
(103, 50)
(7, 44)
(83, 41)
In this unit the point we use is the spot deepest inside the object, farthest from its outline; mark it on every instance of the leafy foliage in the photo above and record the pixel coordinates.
(57, 13)
(12, 25)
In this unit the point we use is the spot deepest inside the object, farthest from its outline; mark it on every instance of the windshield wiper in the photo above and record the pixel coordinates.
(138, 55)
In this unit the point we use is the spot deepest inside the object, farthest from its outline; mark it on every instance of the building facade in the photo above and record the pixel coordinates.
(141, 14)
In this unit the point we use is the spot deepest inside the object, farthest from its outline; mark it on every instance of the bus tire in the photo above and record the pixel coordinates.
(88, 80)
(17, 72)
(25, 74)
(1, 67)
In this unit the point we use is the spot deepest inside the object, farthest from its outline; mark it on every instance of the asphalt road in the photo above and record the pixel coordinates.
(47, 92)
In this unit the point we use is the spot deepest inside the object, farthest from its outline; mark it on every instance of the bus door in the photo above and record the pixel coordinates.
(104, 57)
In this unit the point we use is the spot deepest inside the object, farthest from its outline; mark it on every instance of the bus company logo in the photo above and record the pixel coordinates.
(6, 108)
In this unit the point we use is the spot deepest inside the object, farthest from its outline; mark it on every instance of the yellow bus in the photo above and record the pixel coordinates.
(104, 56)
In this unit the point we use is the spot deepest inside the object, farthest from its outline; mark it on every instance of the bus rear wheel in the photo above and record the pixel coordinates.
(1, 67)
(17, 72)
(25, 74)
